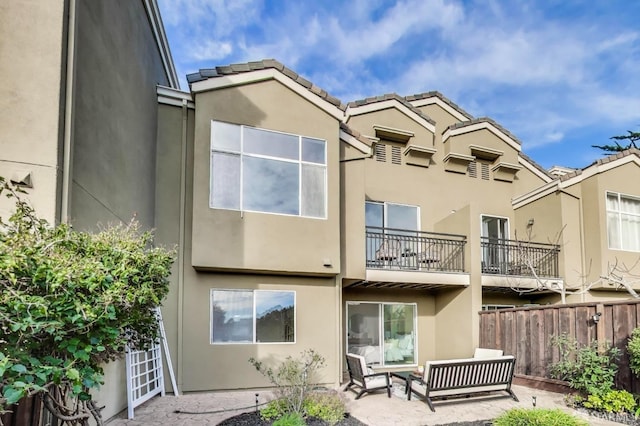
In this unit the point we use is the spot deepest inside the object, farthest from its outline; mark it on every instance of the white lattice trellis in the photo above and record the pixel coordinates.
(145, 377)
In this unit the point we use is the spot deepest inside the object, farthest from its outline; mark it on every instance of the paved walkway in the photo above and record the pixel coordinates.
(373, 409)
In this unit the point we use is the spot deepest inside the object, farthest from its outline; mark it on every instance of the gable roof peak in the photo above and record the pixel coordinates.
(436, 94)
(391, 97)
(226, 70)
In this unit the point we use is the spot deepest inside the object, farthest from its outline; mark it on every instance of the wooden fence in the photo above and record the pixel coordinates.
(526, 333)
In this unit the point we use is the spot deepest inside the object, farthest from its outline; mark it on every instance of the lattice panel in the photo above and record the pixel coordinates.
(145, 377)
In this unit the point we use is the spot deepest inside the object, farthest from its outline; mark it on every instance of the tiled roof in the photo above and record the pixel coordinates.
(222, 71)
(435, 93)
(483, 120)
(601, 161)
(348, 130)
(388, 97)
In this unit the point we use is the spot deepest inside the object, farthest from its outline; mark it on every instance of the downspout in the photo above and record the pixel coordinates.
(181, 239)
(67, 138)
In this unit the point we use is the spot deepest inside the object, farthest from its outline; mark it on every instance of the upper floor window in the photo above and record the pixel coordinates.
(623, 222)
(265, 171)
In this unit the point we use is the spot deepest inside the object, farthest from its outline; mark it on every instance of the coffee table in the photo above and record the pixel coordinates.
(404, 376)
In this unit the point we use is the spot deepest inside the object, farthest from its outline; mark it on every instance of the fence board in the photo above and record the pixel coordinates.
(526, 333)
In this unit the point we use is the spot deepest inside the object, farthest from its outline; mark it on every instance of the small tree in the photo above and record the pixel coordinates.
(69, 302)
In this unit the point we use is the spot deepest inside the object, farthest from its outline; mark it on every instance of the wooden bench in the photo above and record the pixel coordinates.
(462, 377)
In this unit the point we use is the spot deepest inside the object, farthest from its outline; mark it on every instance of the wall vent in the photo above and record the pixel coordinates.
(380, 152)
(396, 157)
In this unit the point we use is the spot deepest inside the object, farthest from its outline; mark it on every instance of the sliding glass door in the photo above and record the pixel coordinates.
(384, 333)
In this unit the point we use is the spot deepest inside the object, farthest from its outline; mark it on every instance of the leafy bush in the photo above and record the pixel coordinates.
(328, 406)
(273, 410)
(290, 419)
(633, 348)
(614, 401)
(71, 301)
(293, 378)
(585, 367)
(537, 417)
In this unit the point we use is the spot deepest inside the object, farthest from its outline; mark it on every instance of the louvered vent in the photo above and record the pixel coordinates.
(395, 155)
(472, 169)
(485, 171)
(381, 152)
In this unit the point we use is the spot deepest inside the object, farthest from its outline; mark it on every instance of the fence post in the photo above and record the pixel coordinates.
(601, 326)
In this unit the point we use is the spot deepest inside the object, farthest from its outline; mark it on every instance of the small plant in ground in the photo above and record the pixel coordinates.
(273, 410)
(587, 368)
(293, 378)
(537, 417)
(613, 401)
(328, 406)
(633, 348)
(290, 419)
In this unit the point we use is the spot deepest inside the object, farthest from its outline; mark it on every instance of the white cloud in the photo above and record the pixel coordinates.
(210, 50)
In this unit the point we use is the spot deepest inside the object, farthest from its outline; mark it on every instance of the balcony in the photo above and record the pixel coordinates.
(519, 258)
(405, 250)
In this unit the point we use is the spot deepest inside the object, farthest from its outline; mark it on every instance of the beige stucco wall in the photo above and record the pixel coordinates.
(225, 366)
(394, 118)
(426, 311)
(258, 241)
(31, 98)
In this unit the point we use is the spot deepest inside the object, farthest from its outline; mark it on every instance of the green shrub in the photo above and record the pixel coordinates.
(273, 410)
(328, 406)
(588, 368)
(614, 401)
(70, 301)
(633, 348)
(537, 417)
(290, 419)
(292, 378)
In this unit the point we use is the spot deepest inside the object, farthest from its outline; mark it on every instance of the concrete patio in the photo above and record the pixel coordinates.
(373, 409)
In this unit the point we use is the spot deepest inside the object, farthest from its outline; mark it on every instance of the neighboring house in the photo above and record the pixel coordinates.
(380, 227)
(78, 128)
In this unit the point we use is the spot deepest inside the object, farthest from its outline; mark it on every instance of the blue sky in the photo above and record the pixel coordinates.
(560, 75)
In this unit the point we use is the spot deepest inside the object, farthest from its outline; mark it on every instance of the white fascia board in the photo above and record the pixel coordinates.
(558, 185)
(479, 126)
(445, 106)
(157, 27)
(536, 194)
(600, 168)
(170, 96)
(390, 103)
(360, 146)
(533, 169)
(263, 75)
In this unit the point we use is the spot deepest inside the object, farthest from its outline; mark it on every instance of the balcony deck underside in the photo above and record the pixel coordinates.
(399, 279)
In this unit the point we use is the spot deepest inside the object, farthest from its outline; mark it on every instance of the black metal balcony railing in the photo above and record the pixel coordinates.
(510, 257)
(401, 249)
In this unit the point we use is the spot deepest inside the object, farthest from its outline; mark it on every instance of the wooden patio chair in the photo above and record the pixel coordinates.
(365, 378)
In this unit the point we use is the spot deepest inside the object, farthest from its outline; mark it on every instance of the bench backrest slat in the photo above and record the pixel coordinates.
(470, 373)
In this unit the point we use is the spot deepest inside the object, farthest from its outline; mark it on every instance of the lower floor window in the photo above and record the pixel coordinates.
(252, 316)
(384, 333)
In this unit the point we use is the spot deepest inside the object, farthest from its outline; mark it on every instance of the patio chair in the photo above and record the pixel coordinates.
(365, 378)
(389, 251)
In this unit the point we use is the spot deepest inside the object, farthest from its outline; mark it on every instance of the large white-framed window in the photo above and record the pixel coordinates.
(253, 316)
(385, 333)
(266, 171)
(623, 221)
